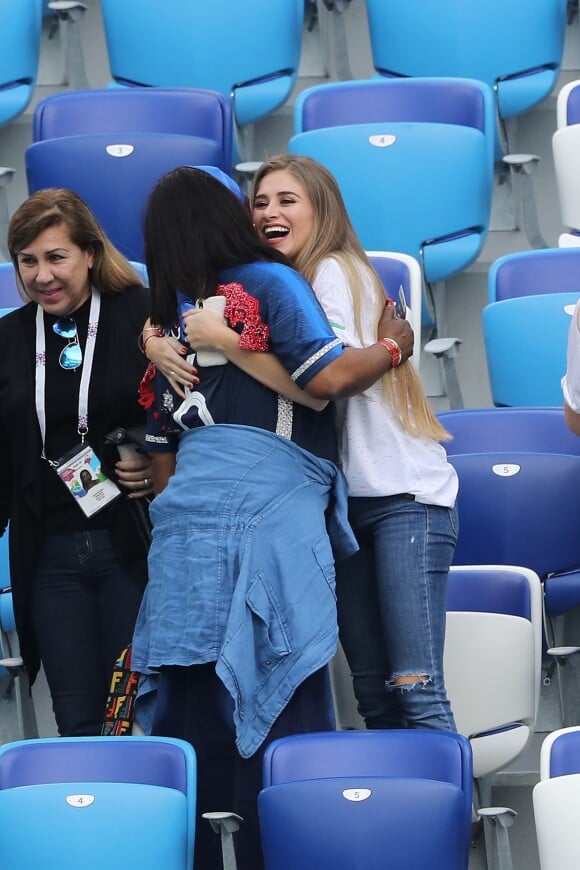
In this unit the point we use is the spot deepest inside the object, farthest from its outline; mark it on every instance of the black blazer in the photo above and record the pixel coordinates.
(118, 367)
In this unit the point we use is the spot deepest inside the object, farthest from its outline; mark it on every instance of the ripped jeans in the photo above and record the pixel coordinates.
(391, 610)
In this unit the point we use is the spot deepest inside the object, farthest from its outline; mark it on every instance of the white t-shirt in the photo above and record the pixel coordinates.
(571, 380)
(378, 456)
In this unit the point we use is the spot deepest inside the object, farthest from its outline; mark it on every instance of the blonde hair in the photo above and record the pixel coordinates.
(111, 271)
(335, 237)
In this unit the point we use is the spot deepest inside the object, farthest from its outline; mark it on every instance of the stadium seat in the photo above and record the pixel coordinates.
(19, 55)
(115, 174)
(248, 50)
(555, 800)
(400, 270)
(182, 111)
(515, 48)
(532, 273)
(565, 144)
(414, 162)
(91, 798)
(525, 342)
(345, 799)
(11, 663)
(9, 295)
(491, 430)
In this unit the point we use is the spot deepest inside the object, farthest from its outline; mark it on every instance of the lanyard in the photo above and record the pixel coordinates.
(40, 370)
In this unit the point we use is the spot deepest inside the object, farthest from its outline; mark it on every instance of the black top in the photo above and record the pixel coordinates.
(32, 497)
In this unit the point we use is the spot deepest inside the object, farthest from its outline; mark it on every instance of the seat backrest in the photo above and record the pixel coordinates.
(555, 800)
(20, 35)
(515, 48)
(493, 642)
(514, 331)
(401, 270)
(519, 508)
(489, 430)
(419, 187)
(568, 104)
(555, 804)
(9, 296)
(430, 755)
(565, 145)
(115, 175)
(366, 760)
(181, 111)
(560, 753)
(353, 822)
(532, 273)
(209, 45)
(119, 772)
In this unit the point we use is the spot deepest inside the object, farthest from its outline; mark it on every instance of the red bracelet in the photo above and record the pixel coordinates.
(394, 349)
(158, 334)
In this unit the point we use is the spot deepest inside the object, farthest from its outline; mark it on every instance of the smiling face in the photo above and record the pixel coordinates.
(55, 271)
(283, 213)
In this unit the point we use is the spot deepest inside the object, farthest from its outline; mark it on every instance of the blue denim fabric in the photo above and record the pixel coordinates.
(84, 606)
(391, 610)
(241, 569)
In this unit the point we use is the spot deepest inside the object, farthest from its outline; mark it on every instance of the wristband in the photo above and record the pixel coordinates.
(157, 334)
(394, 349)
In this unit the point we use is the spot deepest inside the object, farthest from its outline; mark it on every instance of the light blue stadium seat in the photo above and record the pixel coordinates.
(344, 799)
(525, 344)
(94, 797)
(250, 50)
(182, 111)
(9, 295)
(516, 48)
(527, 273)
(115, 174)
(20, 33)
(414, 162)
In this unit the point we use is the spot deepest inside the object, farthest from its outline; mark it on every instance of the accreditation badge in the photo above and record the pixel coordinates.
(80, 471)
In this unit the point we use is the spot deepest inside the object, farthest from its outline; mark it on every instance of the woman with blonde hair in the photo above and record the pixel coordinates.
(402, 490)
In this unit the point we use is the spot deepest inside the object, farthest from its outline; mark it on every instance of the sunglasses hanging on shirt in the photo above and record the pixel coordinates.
(71, 356)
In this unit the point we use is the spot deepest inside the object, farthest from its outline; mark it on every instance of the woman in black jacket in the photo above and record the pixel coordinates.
(69, 372)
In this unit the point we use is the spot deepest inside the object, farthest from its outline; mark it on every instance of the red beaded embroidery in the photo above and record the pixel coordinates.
(241, 308)
(146, 394)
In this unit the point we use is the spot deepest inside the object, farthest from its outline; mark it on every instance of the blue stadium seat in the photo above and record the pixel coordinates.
(516, 48)
(94, 797)
(182, 111)
(527, 273)
(400, 270)
(329, 798)
(525, 344)
(489, 430)
(250, 50)
(413, 159)
(115, 174)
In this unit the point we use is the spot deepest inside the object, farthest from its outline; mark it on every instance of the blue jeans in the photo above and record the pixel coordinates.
(391, 610)
(84, 607)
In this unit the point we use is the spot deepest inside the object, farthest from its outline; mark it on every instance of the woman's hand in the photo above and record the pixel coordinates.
(135, 476)
(204, 329)
(168, 355)
(401, 331)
